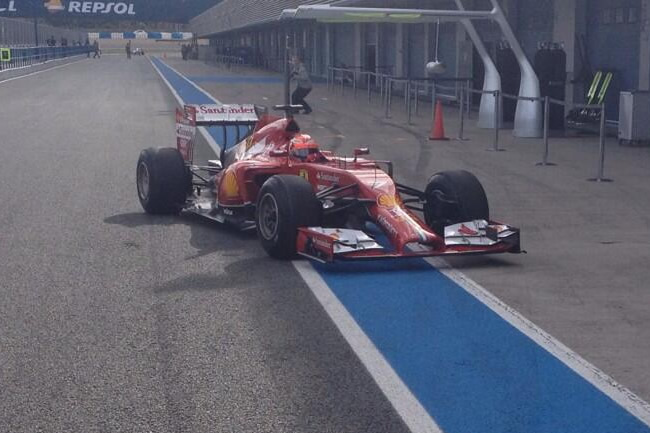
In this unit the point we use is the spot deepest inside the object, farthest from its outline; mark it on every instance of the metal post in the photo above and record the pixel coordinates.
(354, 83)
(408, 101)
(601, 159)
(329, 70)
(407, 94)
(497, 108)
(342, 82)
(547, 109)
(369, 95)
(417, 98)
(287, 73)
(389, 87)
(433, 100)
(461, 113)
(468, 96)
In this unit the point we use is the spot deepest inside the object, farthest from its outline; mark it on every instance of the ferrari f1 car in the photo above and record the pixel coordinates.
(307, 201)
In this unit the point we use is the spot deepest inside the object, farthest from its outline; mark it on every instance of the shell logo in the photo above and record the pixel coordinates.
(387, 201)
(54, 5)
(230, 185)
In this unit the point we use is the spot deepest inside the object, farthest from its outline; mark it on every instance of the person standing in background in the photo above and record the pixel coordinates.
(128, 50)
(96, 49)
(300, 75)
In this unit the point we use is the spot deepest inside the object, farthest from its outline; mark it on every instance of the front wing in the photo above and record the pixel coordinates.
(470, 238)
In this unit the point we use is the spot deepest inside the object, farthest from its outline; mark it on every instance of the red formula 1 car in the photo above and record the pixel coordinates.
(307, 201)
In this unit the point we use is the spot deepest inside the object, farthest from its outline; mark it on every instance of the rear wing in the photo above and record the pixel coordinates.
(218, 115)
(235, 120)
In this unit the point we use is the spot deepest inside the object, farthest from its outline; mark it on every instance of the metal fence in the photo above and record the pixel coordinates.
(413, 90)
(17, 32)
(21, 57)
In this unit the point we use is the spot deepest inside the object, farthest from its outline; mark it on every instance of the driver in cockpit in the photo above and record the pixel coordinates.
(304, 148)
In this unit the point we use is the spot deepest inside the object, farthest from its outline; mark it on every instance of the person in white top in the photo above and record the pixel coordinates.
(300, 75)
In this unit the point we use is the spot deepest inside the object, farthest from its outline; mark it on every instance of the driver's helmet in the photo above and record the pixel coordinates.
(302, 145)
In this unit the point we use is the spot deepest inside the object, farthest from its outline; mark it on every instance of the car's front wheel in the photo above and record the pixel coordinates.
(454, 197)
(162, 180)
(284, 204)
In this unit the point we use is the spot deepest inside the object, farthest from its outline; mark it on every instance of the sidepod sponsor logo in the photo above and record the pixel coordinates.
(390, 228)
(325, 177)
(386, 201)
(90, 7)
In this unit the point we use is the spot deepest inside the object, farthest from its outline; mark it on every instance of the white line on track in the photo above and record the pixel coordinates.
(204, 132)
(407, 406)
(608, 386)
(40, 72)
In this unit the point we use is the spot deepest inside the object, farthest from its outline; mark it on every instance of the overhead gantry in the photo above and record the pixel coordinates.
(528, 115)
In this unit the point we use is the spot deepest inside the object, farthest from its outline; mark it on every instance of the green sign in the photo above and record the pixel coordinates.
(5, 55)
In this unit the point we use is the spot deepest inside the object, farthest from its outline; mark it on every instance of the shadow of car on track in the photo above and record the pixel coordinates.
(206, 237)
(480, 262)
(245, 274)
(411, 265)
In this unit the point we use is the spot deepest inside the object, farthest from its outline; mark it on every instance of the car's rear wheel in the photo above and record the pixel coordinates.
(162, 180)
(453, 197)
(284, 204)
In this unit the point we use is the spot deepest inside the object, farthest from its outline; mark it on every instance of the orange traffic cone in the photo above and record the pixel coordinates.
(438, 127)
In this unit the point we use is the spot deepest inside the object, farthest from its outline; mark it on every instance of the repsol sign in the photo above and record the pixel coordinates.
(90, 7)
(47, 8)
(8, 7)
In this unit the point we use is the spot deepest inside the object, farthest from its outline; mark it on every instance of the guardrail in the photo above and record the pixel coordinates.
(21, 57)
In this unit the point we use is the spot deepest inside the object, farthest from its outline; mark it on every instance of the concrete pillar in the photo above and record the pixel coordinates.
(428, 56)
(358, 44)
(564, 31)
(464, 53)
(328, 47)
(399, 50)
(377, 50)
(644, 54)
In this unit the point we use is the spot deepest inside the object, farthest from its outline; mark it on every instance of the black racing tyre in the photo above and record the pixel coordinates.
(162, 180)
(285, 203)
(453, 197)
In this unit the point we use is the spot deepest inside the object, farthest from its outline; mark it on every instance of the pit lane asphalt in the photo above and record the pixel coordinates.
(585, 277)
(114, 321)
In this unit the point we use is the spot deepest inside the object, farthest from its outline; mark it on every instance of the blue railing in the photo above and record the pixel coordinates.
(20, 57)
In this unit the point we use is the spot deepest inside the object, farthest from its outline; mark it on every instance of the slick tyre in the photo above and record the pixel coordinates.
(453, 197)
(162, 180)
(284, 204)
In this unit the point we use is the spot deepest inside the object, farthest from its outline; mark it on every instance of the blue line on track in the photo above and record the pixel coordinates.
(469, 368)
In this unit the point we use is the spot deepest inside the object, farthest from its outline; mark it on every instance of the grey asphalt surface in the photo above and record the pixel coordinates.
(115, 321)
(585, 279)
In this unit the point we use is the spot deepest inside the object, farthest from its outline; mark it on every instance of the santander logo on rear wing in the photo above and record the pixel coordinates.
(212, 114)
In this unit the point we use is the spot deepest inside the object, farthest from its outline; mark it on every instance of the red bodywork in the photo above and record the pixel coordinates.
(266, 153)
